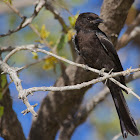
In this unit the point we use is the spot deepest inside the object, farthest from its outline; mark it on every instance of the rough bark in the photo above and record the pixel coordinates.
(114, 14)
(10, 127)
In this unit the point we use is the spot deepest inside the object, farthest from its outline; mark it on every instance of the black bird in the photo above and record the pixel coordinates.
(98, 52)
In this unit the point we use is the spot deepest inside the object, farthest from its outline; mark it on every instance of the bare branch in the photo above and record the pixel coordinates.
(16, 11)
(117, 136)
(124, 87)
(56, 15)
(23, 93)
(24, 112)
(106, 75)
(31, 64)
(84, 84)
(132, 31)
(13, 75)
(6, 49)
(34, 48)
(25, 21)
(28, 47)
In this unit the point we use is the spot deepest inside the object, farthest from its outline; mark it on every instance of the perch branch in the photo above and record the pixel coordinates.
(14, 77)
(23, 93)
(106, 75)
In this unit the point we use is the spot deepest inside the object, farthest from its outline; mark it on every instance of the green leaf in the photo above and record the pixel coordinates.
(62, 42)
(1, 111)
(35, 55)
(3, 80)
(50, 63)
(3, 84)
(10, 1)
(70, 34)
(72, 20)
(44, 33)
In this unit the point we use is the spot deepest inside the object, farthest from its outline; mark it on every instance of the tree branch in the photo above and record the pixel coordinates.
(6, 49)
(84, 84)
(132, 31)
(14, 77)
(25, 21)
(117, 136)
(24, 93)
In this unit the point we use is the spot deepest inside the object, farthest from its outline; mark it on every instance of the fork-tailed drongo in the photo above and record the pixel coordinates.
(98, 52)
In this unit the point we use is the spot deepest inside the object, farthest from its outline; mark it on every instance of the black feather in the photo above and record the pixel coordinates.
(98, 52)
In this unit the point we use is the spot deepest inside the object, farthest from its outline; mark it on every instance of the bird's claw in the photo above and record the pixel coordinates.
(86, 67)
(108, 74)
(102, 72)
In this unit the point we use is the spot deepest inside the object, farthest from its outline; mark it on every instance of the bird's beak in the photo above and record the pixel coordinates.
(99, 20)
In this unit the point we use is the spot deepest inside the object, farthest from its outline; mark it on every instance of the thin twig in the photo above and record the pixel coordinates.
(34, 63)
(6, 49)
(25, 21)
(117, 136)
(132, 31)
(24, 112)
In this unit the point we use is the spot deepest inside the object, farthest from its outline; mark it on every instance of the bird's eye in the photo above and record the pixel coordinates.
(88, 18)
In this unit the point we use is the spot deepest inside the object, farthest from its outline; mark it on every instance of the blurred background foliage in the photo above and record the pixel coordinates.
(103, 122)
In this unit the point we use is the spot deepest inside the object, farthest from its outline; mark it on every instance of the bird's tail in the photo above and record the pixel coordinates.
(127, 123)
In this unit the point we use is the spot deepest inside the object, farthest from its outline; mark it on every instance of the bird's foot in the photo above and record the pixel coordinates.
(102, 72)
(108, 74)
(86, 68)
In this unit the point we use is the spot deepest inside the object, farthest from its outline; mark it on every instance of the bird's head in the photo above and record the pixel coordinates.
(89, 21)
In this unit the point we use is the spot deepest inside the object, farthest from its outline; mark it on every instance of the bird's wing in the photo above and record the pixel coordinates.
(110, 50)
(75, 41)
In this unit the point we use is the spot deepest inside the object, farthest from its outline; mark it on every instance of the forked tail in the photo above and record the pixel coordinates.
(127, 122)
